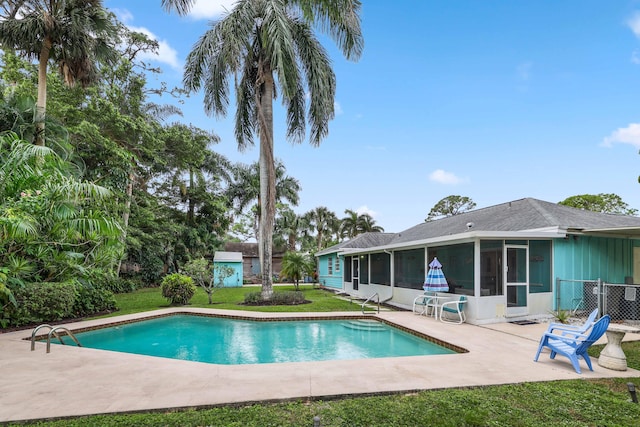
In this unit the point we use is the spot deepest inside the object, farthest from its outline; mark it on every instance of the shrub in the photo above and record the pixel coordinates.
(178, 288)
(277, 298)
(92, 300)
(44, 302)
(120, 285)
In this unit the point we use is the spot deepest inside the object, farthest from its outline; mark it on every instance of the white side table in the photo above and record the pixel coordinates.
(612, 356)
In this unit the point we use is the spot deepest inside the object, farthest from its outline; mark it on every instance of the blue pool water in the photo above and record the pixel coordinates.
(230, 341)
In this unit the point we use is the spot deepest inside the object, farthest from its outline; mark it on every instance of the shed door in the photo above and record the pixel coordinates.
(516, 276)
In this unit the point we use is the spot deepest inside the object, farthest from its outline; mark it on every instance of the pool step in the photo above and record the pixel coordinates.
(365, 325)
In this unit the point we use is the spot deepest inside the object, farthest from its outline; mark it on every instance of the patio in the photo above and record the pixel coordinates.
(70, 381)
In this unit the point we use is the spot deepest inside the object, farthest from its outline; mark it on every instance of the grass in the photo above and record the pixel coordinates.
(230, 298)
(599, 402)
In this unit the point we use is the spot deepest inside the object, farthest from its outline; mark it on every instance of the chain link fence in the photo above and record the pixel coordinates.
(581, 297)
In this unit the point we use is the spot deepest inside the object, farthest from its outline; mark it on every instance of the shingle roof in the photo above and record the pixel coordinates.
(526, 214)
(518, 215)
(365, 240)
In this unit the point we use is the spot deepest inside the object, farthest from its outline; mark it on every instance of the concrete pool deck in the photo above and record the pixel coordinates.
(71, 381)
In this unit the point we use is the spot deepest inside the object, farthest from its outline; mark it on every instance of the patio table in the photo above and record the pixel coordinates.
(612, 356)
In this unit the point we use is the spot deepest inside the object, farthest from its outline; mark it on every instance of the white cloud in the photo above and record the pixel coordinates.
(634, 23)
(444, 177)
(365, 210)
(166, 54)
(208, 9)
(337, 108)
(629, 135)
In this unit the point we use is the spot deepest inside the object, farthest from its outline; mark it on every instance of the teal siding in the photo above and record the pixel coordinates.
(333, 280)
(588, 257)
(233, 281)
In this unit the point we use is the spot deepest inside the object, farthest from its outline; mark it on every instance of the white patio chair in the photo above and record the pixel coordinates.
(453, 308)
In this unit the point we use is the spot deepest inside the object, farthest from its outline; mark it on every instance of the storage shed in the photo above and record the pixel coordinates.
(232, 260)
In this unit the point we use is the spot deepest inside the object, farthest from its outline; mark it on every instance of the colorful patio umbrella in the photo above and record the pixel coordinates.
(435, 281)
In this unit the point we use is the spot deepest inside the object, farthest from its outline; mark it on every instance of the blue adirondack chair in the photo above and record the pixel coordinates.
(575, 346)
(565, 329)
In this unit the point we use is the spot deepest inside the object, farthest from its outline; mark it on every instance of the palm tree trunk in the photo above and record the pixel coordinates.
(267, 180)
(125, 215)
(41, 103)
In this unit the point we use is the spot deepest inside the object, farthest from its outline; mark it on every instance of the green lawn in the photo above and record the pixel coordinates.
(231, 299)
(579, 402)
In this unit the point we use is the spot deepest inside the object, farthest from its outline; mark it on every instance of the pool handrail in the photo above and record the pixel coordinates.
(377, 296)
(53, 330)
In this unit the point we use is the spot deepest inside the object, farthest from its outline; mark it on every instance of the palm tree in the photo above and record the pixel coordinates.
(354, 224)
(244, 190)
(75, 34)
(366, 224)
(349, 224)
(289, 226)
(325, 223)
(269, 44)
(295, 266)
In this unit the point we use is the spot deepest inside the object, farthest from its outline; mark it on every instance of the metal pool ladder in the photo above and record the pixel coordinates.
(377, 297)
(53, 330)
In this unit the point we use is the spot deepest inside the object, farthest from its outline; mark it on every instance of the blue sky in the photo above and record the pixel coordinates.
(493, 100)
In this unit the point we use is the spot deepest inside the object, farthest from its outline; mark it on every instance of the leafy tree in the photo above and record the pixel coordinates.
(450, 206)
(295, 266)
(53, 227)
(75, 34)
(602, 202)
(269, 44)
(202, 274)
(222, 272)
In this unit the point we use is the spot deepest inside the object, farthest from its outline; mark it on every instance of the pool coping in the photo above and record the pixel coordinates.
(73, 382)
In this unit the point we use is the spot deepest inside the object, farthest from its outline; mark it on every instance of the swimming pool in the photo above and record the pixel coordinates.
(238, 341)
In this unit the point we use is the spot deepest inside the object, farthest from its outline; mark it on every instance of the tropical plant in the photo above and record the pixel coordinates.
(178, 288)
(244, 189)
(53, 227)
(269, 44)
(296, 266)
(289, 226)
(354, 224)
(75, 34)
(324, 223)
(450, 206)
(602, 202)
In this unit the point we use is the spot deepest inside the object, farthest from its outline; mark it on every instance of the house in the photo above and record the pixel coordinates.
(231, 260)
(251, 259)
(505, 258)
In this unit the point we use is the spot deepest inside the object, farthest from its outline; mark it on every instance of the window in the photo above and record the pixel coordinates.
(347, 269)
(330, 265)
(337, 266)
(364, 269)
(457, 266)
(380, 264)
(408, 268)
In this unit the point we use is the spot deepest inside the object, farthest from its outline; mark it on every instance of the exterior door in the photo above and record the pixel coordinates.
(516, 274)
(355, 275)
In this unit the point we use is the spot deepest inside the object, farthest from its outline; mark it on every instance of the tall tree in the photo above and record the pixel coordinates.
(450, 206)
(288, 228)
(244, 190)
(602, 202)
(75, 34)
(354, 224)
(269, 44)
(325, 223)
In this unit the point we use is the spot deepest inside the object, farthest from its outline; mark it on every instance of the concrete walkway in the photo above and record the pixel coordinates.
(73, 381)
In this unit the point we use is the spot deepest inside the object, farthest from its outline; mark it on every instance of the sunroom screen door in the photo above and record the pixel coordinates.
(516, 279)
